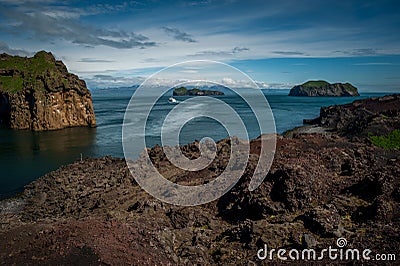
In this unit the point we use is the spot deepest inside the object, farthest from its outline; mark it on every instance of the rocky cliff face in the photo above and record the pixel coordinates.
(39, 93)
(323, 88)
(376, 116)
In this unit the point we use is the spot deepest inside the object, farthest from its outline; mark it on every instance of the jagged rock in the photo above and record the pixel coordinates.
(39, 93)
(308, 241)
(376, 116)
(323, 220)
(320, 187)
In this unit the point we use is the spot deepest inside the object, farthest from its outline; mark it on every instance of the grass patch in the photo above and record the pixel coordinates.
(180, 91)
(11, 84)
(388, 142)
(349, 87)
(315, 83)
(30, 67)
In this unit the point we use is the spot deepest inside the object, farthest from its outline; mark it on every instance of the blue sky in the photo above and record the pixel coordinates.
(278, 43)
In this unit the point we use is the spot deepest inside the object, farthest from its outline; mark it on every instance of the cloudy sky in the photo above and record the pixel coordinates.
(278, 43)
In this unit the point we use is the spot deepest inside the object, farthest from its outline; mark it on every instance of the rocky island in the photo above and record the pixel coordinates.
(182, 91)
(39, 93)
(323, 185)
(323, 88)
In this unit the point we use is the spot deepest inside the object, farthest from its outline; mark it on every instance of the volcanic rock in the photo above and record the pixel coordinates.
(39, 93)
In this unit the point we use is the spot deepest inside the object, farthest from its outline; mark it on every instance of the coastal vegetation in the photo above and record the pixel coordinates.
(17, 73)
(183, 91)
(315, 83)
(390, 141)
(38, 93)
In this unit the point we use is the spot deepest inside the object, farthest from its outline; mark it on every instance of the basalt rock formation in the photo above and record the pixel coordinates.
(323, 88)
(361, 118)
(39, 93)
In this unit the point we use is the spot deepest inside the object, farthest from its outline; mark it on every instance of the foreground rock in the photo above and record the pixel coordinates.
(38, 93)
(320, 187)
(323, 88)
(361, 118)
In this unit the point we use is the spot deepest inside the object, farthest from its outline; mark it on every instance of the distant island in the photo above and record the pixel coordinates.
(182, 91)
(38, 93)
(323, 88)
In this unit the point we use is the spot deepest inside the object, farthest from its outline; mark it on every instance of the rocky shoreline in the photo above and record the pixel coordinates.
(327, 181)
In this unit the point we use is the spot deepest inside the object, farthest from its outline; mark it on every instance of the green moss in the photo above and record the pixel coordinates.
(315, 83)
(388, 142)
(65, 82)
(180, 91)
(11, 84)
(349, 87)
(321, 83)
(38, 64)
(25, 70)
(195, 90)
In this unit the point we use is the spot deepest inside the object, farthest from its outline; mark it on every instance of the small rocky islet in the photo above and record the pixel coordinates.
(327, 181)
(322, 88)
(183, 91)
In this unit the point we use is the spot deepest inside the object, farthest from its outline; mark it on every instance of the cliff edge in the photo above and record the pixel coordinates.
(323, 88)
(39, 93)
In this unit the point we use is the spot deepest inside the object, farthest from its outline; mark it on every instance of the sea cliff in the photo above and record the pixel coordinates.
(39, 93)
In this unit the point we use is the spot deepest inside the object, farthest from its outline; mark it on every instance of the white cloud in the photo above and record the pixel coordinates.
(4, 48)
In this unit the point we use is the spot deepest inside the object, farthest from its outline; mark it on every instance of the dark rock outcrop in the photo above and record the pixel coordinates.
(318, 189)
(323, 88)
(182, 91)
(376, 116)
(39, 93)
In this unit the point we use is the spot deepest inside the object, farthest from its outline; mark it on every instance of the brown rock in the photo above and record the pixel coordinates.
(48, 98)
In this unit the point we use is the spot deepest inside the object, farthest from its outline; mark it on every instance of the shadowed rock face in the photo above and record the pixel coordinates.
(322, 88)
(359, 119)
(38, 94)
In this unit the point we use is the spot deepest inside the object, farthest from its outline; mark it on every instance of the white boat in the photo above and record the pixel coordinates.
(172, 100)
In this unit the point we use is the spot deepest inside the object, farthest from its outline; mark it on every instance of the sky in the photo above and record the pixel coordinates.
(277, 43)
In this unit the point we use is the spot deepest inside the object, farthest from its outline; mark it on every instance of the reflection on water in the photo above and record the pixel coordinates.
(26, 155)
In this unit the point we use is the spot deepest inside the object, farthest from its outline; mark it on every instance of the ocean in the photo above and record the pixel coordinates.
(26, 155)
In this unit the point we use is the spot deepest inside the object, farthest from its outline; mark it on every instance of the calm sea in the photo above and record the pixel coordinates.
(25, 155)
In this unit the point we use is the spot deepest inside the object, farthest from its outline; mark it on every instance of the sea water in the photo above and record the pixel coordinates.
(26, 155)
